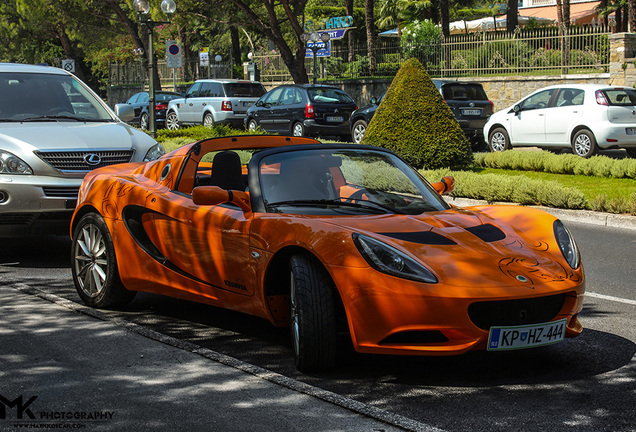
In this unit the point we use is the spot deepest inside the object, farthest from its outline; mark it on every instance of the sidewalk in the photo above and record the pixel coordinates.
(63, 366)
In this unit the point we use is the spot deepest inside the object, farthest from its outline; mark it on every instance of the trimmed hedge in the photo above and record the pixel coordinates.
(414, 121)
(543, 161)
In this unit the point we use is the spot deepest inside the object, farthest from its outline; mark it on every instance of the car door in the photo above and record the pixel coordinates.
(186, 111)
(282, 113)
(567, 110)
(527, 125)
(266, 113)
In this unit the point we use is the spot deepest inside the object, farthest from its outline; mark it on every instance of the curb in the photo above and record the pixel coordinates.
(581, 216)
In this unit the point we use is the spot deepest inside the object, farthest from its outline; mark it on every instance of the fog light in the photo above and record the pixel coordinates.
(4, 197)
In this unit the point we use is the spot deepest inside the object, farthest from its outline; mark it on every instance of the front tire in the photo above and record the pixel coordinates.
(298, 129)
(312, 315)
(208, 120)
(94, 265)
(359, 128)
(499, 140)
(172, 121)
(252, 125)
(584, 144)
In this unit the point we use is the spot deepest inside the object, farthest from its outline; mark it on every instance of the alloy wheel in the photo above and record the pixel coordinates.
(91, 260)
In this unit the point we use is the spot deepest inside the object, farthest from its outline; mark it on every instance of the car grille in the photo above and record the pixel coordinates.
(61, 191)
(515, 312)
(76, 161)
(17, 218)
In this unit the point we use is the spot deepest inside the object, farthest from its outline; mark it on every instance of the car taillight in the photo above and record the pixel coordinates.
(600, 98)
(309, 111)
(161, 106)
(226, 106)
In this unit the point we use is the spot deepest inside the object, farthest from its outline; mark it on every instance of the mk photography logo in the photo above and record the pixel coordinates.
(21, 408)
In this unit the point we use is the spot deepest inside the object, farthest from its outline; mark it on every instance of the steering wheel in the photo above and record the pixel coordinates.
(357, 195)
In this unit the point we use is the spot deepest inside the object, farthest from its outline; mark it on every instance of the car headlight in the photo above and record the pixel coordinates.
(155, 152)
(567, 244)
(11, 164)
(389, 260)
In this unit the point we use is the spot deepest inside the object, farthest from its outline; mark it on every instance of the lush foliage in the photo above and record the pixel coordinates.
(422, 40)
(187, 135)
(414, 121)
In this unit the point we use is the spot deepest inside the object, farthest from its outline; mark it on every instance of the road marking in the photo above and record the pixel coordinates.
(611, 298)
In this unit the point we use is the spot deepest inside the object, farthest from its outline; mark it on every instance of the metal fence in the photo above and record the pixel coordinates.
(543, 51)
(134, 73)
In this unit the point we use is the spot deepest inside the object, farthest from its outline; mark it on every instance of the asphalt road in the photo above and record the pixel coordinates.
(583, 384)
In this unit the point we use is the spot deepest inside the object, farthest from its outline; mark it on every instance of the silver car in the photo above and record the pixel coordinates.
(214, 101)
(53, 130)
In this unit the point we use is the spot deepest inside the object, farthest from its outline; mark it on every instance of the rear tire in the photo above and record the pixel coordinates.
(358, 130)
(584, 144)
(208, 120)
(298, 129)
(94, 265)
(172, 121)
(252, 125)
(312, 315)
(631, 152)
(499, 140)
(144, 121)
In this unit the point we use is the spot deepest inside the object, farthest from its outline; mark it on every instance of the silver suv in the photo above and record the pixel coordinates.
(214, 101)
(53, 130)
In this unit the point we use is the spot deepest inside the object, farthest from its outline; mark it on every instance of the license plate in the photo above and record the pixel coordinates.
(529, 336)
(473, 112)
(248, 104)
(338, 119)
(630, 131)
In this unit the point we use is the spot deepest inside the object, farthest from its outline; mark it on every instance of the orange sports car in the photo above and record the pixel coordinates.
(328, 240)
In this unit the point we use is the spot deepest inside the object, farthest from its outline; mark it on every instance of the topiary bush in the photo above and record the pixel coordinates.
(414, 121)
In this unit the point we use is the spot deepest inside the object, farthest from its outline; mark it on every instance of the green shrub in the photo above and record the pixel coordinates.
(196, 133)
(414, 121)
(599, 166)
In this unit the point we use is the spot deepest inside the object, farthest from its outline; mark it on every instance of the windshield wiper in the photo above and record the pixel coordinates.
(368, 205)
(53, 118)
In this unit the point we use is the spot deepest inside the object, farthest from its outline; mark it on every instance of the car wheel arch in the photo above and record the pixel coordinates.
(80, 213)
(276, 282)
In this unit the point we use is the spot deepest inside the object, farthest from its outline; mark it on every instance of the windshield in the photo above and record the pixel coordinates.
(47, 97)
(620, 96)
(244, 90)
(344, 181)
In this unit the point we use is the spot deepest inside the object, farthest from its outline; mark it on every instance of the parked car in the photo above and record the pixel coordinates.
(303, 110)
(139, 101)
(583, 117)
(53, 130)
(330, 240)
(467, 101)
(214, 101)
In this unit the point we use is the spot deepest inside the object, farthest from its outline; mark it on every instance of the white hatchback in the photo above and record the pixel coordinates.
(584, 117)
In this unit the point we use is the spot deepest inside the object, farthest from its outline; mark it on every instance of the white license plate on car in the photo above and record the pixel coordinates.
(630, 131)
(528, 336)
(473, 112)
(338, 119)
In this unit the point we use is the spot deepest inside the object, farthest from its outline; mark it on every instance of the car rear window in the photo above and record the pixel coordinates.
(464, 92)
(620, 96)
(244, 90)
(329, 95)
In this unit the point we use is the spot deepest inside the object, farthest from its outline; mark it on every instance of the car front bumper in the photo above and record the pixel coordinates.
(31, 205)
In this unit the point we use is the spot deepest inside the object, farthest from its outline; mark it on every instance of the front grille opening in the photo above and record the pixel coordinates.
(415, 337)
(74, 161)
(515, 312)
(61, 191)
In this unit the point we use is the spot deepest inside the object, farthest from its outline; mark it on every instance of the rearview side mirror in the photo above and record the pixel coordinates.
(214, 195)
(125, 112)
(445, 186)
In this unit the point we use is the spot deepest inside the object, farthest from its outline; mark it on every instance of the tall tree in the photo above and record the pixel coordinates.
(370, 23)
(445, 17)
(351, 35)
(512, 18)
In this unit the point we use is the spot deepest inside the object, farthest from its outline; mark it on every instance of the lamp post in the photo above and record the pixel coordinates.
(312, 40)
(143, 8)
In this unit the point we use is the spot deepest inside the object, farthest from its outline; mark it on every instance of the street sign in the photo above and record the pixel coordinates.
(204, 57)
(68, 65)
(324, 50)
(173, 54)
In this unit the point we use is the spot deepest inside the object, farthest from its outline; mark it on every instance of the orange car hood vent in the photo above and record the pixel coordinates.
(422, 237)
(487, 232)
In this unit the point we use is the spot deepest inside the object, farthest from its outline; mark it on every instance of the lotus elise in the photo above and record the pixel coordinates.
(328, 240)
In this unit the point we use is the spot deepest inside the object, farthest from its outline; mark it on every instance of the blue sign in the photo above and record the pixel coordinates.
(323, 50)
